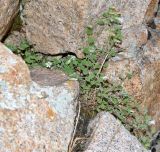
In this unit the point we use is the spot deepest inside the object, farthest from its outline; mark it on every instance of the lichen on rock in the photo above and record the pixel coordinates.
(33, 117)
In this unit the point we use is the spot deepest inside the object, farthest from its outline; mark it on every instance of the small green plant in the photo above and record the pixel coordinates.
(26, 51)
(98, 95)
(95, 93)
(129, 75)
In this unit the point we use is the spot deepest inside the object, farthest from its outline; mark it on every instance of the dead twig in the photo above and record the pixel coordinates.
(77, 139)
(70, 148)
(102, 64)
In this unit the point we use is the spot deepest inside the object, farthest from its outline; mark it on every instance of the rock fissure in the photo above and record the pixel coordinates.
(40, 114)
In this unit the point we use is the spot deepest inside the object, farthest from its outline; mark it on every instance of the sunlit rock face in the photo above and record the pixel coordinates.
(108, 134)
(33, 117)
(14, 80)
(61, 28)
(133, 11)
(56, 26)
(8, 10)
(136, 67)
(151, 82)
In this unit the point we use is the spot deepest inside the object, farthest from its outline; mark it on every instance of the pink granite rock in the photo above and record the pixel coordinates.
(8, 10)
(33, 117)
(107, 134)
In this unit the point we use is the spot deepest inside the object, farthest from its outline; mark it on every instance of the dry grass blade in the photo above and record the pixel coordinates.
(71, 145)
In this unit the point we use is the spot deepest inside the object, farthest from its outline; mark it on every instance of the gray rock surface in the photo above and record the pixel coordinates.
(155, 147)
(8, 10)
(33, 117)
(109, 135)
(46, 77)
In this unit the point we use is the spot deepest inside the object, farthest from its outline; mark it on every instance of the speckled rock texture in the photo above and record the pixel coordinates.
(133, 11)
(141, 53)
(33, 117)
(109, 135)
(8, 10)
(15, 37)
(61, 28)
(125, 62)
(151, 11)
(46, 77)
(56, 26)
(134, 14)
(151, 89)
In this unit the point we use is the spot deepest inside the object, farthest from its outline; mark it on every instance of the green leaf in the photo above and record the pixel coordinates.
(105, 14)
(28, 60)
(11, 47)
(68, 70)
(101, 22)
(89, 30)
(85, 71)
(24, 45)
(91, 41)
(112, 53)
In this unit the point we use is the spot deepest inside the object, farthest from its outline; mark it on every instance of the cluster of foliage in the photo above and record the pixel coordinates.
(96, 94)
(26, 51)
